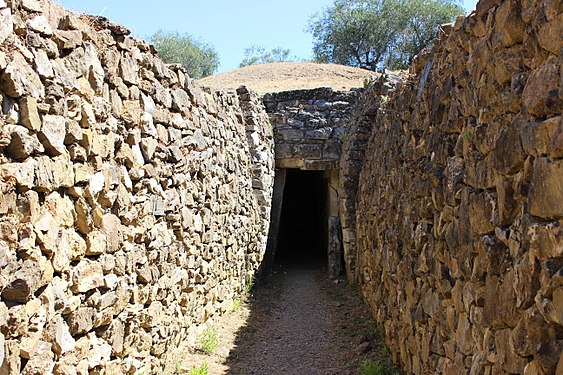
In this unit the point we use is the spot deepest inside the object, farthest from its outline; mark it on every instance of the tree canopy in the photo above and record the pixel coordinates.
(199, 58)
(254, 55)
(376, 34)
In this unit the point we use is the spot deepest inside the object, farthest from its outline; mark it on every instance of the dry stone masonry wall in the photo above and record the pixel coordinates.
(352, 160)
(460, 202)
(310, 126)
(134, 206)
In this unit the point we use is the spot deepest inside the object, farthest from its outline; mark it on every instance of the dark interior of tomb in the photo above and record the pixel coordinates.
(302, 232)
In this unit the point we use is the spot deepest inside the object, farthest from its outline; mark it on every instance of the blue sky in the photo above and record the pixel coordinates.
(229, 25)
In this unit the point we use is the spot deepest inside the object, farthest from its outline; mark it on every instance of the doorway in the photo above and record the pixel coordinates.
(302, 239)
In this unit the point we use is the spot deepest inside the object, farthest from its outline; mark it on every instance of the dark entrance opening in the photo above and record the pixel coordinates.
(303, 228)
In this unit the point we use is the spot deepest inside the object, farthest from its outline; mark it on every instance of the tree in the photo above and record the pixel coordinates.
(254, 55)
(375, 34)
(200, 59)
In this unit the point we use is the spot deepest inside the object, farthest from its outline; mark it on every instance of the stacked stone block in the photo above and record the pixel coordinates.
(352, 159)
(133, 204)
(310, 126)
(460, 202)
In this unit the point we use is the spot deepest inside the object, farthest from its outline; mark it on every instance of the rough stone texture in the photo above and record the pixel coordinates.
(134, 206)
(310, 126)
(459, 208)
(352, 159)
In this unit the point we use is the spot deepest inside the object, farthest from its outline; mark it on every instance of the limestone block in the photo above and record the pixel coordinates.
(129, 69)
(85, 89)
(42, 360)
(147, 125)
(96, 184)
(24, 173)
(180, 100)
(175, 154)
(81, 321)
(71, 246)
(6, 24)
(40, 24)
(22, 142)
(481, 208)
(549, 35)
(59, 336)
(531, 332)
(97, 243)
(538, 139)
(540, 93)
(545, 199)
(29, 116)
(506, 355)
(23, 283)
(62, 209)
(74, 133)
(132, 112)
(67, 39)
(96, 72)
(546, 240)
(86, 276)
(42, 64)
(507, 205)
(12, 360)
(148, 147)
(111, 226)
(31, 5)
(508, 153)
(53, 133)
(64, 77)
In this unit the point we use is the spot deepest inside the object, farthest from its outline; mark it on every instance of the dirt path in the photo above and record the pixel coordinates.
(297, 336)
(295, 322)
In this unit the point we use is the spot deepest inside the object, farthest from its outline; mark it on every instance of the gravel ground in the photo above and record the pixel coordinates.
(294, 322)
(296, 335)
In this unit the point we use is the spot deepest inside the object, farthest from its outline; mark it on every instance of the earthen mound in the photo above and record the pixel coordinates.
(276, 77)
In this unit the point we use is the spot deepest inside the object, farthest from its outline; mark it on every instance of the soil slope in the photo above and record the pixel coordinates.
(276, 77)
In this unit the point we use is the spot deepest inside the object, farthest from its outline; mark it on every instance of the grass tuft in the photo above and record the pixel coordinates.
(208, 341)
(201, 370)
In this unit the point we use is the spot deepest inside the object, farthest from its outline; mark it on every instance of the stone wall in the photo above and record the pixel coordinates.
(460, 202)
(309, 129)
(310, 126)
(134, 206)
(352, 159)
